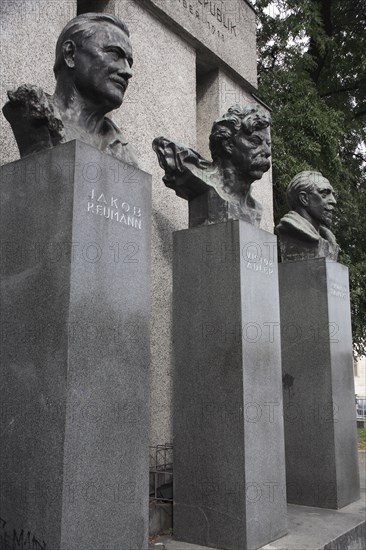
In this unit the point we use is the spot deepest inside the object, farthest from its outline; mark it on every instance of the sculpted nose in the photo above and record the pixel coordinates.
(266, 150)
(332, 200)
(125, 70)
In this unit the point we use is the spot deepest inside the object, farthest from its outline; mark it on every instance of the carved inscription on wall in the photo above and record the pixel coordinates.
(217, 18)
(225, 27)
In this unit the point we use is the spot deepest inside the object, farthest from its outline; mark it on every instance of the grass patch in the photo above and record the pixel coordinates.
(361, 434)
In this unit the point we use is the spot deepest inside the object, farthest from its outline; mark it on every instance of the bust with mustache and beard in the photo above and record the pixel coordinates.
(221, 190)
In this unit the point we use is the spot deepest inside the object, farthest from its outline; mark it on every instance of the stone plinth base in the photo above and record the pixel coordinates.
(318, 384)
(75, 246)
(308, 529)
(229, 469)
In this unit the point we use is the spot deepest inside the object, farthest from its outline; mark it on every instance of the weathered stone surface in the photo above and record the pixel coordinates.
(229, 470)
(318, 385)
(75, 354)
(220, 28)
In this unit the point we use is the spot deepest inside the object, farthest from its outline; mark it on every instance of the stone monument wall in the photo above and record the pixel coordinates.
(192, 60)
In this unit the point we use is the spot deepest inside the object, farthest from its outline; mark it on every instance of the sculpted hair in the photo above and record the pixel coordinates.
(81, 28)
(304, 181)
(247, 118)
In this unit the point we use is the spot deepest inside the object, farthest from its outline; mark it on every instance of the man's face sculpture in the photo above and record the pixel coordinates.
(251, 152)
(103, 66)
(320, 202)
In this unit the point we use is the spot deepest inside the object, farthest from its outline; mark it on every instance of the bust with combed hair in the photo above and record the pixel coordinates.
(304, 232)
(93, 66)
(240, 149)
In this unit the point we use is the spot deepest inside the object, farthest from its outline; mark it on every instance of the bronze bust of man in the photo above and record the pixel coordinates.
(218, 190)
(92, 69)
(304, 232)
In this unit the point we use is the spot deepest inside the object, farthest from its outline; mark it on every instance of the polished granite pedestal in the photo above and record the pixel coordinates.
(75, 299)
(229, 463)
(318, 384)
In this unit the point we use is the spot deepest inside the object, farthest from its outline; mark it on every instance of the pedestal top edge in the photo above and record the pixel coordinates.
(73, 145)
(313, 261)
(239, 224)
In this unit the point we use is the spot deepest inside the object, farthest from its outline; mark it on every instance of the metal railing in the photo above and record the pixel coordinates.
(161, 473)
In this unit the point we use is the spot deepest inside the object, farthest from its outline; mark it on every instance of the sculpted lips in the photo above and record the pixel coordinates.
(327, 215)
(121, 82)
(263, 165)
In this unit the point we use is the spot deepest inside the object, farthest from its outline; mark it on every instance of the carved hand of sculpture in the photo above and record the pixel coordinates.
(33, 119)
(184, 168)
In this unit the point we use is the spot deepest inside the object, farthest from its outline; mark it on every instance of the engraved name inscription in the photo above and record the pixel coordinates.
(338, 290)
(256, 257)
(254, 262)
(114, 209)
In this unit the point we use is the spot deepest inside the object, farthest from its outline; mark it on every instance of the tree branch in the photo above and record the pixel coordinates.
(356, 155)
(349, 88)
(325, 10)
(360, 114)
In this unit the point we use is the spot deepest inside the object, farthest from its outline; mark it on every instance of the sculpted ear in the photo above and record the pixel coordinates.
(69, 49)
(303, 198)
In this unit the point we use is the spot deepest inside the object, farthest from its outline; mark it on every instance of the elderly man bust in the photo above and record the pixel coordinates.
(92, 69)
(218, 190)
(304, 232)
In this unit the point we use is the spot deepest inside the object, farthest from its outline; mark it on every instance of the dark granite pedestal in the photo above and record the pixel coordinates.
(318, 384)
(229, 468)
(75, 286)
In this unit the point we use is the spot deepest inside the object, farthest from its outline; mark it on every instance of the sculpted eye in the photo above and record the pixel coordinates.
(118, 53)
(255, 140)
(114, 53)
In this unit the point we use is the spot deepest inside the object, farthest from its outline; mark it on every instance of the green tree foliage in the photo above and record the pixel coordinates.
(312, 72)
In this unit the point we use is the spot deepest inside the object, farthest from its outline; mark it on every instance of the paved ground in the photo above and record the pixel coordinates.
(312, 528)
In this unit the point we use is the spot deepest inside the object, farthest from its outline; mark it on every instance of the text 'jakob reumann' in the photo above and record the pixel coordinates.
(114, 209)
